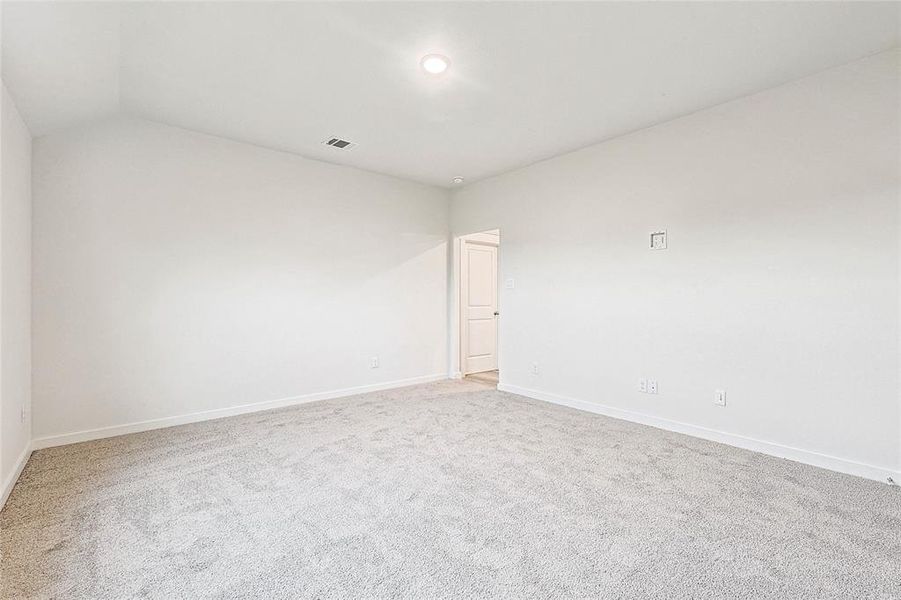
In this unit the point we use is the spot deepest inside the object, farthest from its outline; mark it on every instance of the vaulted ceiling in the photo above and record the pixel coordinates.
(527, 80)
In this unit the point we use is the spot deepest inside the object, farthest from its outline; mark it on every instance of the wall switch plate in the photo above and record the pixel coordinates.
(658, 240)
(534, 368)
(719, 397)
(374, 362)
(643, 386)
(652, 386)
(509, 283)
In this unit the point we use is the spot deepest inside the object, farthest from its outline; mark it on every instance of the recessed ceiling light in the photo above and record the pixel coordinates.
(434, 63)
(458, 180)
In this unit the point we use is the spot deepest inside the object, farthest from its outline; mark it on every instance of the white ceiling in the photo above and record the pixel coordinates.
(527, 80)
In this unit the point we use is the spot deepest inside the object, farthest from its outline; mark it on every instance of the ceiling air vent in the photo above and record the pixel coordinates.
(336, 142)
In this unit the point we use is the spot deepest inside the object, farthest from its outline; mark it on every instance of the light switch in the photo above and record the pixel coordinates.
(719, 397)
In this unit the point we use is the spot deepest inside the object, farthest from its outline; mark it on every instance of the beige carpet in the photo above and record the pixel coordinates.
(437, 491)
(486, 377)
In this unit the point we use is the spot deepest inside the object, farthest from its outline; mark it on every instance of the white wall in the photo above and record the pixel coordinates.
(780, 284)
(176, 272)
(15, 292)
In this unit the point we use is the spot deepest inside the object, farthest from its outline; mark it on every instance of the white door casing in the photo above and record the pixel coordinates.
(478, 296)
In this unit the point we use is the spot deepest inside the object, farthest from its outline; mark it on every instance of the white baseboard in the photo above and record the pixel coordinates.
(208, 415)
(809, 457)
(13, 477)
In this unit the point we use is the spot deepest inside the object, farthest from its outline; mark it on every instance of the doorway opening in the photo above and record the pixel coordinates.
(479, 303)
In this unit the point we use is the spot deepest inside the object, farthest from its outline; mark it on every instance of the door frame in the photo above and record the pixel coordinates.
(490, 237)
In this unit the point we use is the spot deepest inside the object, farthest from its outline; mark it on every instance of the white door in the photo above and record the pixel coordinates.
(479, 301)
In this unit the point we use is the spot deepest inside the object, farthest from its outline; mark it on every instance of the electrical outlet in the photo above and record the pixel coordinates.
(374, 362)
(643, 386)
(652, 386)
(719, 397)
(534, 368)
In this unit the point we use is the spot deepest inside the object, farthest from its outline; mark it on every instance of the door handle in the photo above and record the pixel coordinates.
(497, 314)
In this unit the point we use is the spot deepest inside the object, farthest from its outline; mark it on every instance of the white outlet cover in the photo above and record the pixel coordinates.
(535, 368)
(509, 283)
(658, 240)
(374, 362)
(652, 386)
(643, 386)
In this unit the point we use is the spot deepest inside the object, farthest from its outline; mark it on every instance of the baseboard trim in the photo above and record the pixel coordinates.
(13, 477)
(816, 459)
(219, 413)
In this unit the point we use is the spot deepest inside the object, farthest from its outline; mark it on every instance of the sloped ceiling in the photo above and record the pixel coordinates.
(527, 80)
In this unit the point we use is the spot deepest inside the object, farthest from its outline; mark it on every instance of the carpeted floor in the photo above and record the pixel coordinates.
(486, 377)
(444, 490)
